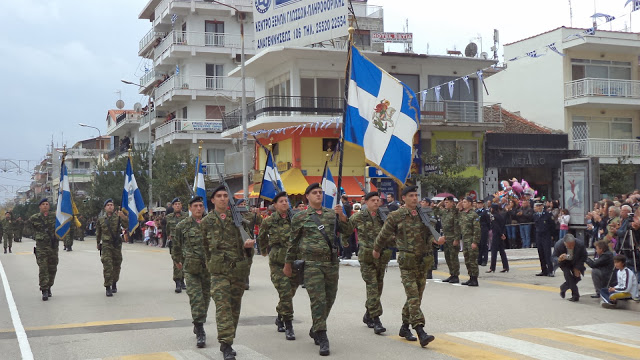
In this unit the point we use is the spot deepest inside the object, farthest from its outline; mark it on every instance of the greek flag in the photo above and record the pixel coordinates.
(174, 17)
(553, 48)
(177, 69)
(271, 181)
(534, 54)
(64, 210)
(636, 4)
(329, 190)
(382, 117)
(198, 184)
(132, 203)
(606, 17)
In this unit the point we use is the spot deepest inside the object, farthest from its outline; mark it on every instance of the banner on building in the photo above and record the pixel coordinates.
(210, 125)
(298, 22)
(391, 38)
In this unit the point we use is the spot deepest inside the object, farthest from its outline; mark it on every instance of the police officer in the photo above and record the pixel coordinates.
(227, 256)
(172, 221)
(43, 227)
(188, 254)
(469, 223)
(109, 243)
(311, 240)
(543, 222)
(415, 256)
(485, 225)
(448, 214)
(273, 239)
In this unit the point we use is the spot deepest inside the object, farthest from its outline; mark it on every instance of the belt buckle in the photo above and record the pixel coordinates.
(321, 227)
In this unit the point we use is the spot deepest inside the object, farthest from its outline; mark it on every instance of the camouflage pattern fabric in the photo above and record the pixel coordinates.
(18, 227)
(111, 248)
(7, 232)
(449, 221)
(469, 223)
(172, 221)
(43, 229)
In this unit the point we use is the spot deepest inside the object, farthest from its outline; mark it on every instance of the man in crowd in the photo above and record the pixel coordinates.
(524, 216)
(172, 221)
(485, 224)
(449, 218)
(544, 224)
(43, 227)
(469, 223)
(392, 204)
(601, 268)
(571, 255)
(109, 243)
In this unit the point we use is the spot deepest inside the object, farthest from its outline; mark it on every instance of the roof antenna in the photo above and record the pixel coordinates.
(570, 14)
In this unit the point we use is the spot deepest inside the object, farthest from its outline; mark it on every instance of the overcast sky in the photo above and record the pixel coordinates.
(62, 60)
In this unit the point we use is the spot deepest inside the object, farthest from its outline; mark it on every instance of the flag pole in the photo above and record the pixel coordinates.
(198, 162)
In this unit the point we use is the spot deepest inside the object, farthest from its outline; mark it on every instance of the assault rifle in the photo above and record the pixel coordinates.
(428, 220)
(235, 212)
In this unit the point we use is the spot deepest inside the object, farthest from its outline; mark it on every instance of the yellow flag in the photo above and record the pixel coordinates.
(75, 214)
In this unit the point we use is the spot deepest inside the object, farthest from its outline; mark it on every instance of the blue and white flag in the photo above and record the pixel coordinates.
(423, 94)
(177, 69)
(382, 117)
(451, 88)
(174, 18)
(198, 184)
(132, 203)
(329, 190)
(553, 48)
(64, 210)
(466, 81)
(534, 54)
(636, 4)
(438, 94)
(271, 181)
(606, 17)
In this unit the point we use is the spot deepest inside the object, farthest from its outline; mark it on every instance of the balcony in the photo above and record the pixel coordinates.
(211, 170)
(194, 87)
(452, 111)
(167, 8)
(187, 129)
(124, 123)
(183, 44)
(602, 92)
(370, 17)
(609, 150)
(149, 40)
(155, 117)
(149, 80)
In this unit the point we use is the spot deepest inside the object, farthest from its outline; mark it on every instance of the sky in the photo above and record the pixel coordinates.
(63, 59)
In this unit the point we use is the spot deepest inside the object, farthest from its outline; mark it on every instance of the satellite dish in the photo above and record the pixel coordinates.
(119, 104)
(484, 55)
(471, 50)
(137, 107)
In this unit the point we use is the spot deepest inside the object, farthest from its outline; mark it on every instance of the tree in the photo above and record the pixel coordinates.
(616, 179)
(447, 177)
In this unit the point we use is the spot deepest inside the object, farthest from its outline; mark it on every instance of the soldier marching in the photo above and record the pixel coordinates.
(172, 221)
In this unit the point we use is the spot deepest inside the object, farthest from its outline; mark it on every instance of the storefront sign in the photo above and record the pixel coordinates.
(298, 22)
(212, 125)
(391, 38)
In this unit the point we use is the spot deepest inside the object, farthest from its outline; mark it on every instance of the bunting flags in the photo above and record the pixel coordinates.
(466, 81)
(64, 210)
(198, 184)
(132, 203)
(451, 85)
(174, 17)
(177, 69)
(606, 17)
(438, 95)
(635, 6)
(553, 48)
(423, 95)
(534, 54)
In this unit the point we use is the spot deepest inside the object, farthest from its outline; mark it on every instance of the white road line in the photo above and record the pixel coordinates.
(596, 338)
(621, 331)
(526, 348)
(23, 341)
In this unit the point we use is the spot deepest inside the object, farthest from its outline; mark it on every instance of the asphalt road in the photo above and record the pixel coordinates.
(510, 316)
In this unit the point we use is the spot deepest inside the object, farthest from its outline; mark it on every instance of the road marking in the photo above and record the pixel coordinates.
(95, 323)
(153, 356)
(522, 347)
(455, 349)
(201, 354)
(23, 341)
(577, 340)
(634, 323)
(526, 286)
(622, 331)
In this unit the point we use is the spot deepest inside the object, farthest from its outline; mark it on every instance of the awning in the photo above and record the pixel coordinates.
(252, 195)
(294, 182)
(349, 184)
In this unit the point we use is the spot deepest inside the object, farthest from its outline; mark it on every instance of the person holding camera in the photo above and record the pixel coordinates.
(571, 255)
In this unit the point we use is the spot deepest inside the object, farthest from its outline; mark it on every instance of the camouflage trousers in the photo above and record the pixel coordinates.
(414, 282)
(17, 236)
(111, 261)
(373, 276)
(321, 280)
(199, 291)
(471, 258)
(68, 240)
(227, 291)
(451, 256)
(178, 273)
(286, 288)
(7, 240)
(47, 259)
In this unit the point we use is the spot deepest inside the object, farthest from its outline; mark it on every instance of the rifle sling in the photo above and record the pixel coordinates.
(316, 220)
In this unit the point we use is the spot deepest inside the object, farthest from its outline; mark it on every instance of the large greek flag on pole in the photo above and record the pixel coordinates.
(64, 210)
(271, 181)
(382, 117)
(198, 183)
(329, 190)
(132, 203)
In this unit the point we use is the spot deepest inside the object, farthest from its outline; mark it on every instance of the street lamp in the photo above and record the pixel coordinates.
(153, 93)
(89, 126)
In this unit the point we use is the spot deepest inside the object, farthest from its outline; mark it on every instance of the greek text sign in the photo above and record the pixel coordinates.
(392, 38)
(212, 125)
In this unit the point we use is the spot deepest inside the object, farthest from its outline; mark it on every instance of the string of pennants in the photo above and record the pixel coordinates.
(313, 126)
(450, 85)
(114, 173)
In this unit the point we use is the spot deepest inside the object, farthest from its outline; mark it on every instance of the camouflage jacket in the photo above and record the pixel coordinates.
(221, 238)
(44, 229)
(449, 221)
(307, 242)
(368, 226)
(469, 224)
(104, 235)
(275, 233)
(411, 235)
(188, 246)
(172, 221)
(8, 227)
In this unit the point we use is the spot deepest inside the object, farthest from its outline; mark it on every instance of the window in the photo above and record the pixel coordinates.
(468, 149)
(412, 81)
(214, 33)
(184, 113)
(585, 127)
(600, 69)
(215, 76)
(214, 112)
(215, 156)
(362, 38)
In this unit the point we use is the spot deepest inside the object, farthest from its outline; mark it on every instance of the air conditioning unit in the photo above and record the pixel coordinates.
(237, 59)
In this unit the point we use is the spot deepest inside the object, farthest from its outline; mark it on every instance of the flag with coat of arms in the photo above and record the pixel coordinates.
(132, 204)
(382, 117)
(65, 207)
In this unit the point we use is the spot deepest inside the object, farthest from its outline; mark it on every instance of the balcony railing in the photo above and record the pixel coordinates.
(165, 4)
(149, 37)
(204, 39)
(188, 126)
(220, 83)
(212, 170)
(602, 87)
(608, 147)
(153, 115)
(286, 106)
(148, 78)
(369, 11)
(454, 111)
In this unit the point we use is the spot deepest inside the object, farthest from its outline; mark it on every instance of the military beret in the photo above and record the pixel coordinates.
(175, 200)
(311, 187)
(239, 201)
(196, 199)
(409, 189)
(450, 198)
(299, 203)
(107, 201)
(469, 199)
(43, 200)
(371, 194)
(426, 199)
(279, 195)
(219, 188)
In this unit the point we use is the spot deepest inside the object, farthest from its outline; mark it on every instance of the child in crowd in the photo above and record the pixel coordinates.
(563, 220)
(627, 287)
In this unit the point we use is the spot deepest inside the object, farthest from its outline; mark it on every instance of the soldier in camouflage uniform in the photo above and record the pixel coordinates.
(308, 243)
(172, 221)
(43, 227)
(68, 239)
(251, 220)
(449, 220)
(227, 260)
(368, 222)
(19, 226)
(8, 225)
(273, 240)
(188, 254)
(469, 224)
(415, 257)
(80, 231)
(109, 242)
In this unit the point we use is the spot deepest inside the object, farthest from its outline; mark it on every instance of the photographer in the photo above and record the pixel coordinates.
(571, 255)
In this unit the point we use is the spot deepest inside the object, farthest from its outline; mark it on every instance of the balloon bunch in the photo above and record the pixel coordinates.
(515, 189)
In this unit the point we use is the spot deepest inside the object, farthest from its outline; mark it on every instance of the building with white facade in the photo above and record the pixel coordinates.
(592, 93)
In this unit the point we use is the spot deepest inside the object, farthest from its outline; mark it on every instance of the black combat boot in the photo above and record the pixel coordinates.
(429, 274)
(377, 326)
(183, 285)
(69, 248)
(45, 295)
(114, 289)
(201, 337)
(279, 323)
(473, 281)
(5, 250)
(290, 335)
(425, 338)
(108, 291)
(178, 287)
(448, 279)
(406, 333)
(367, 320)
(454, 280)
(324, 342)
(227, 352)
(9, 249)
(49, 293)
(314, 336)
(246, 284)
(467, 282)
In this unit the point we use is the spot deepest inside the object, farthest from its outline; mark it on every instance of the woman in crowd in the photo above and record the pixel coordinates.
(563, 220)
(511, 223)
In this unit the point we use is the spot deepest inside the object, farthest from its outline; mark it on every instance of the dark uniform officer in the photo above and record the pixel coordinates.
(109, 243)
(543, 222)
(172, 221)
(485, 226)
(43, 227)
